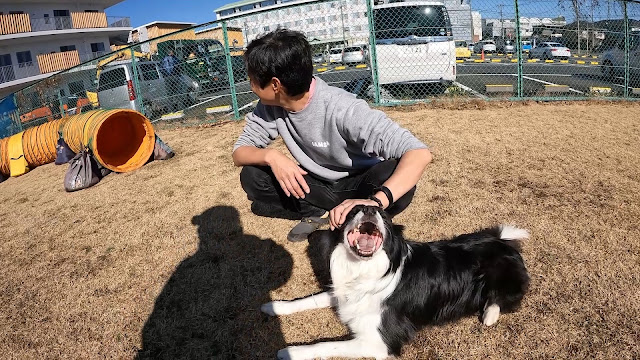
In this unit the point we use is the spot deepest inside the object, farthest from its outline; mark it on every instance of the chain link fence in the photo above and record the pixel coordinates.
(383, 51)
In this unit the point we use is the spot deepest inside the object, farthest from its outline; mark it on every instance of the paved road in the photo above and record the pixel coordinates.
(581, 76)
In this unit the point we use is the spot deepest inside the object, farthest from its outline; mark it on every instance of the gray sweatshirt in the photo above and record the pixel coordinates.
(334, 136)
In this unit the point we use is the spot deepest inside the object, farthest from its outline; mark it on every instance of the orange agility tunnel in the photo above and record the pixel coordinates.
(121, 140)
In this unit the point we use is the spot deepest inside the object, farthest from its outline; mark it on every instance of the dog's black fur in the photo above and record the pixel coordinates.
(441, 281)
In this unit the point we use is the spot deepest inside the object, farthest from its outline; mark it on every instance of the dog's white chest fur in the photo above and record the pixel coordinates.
(360, 287)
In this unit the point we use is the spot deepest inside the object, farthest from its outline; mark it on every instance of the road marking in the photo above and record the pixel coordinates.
(599, 90)
(549, 61)
(459, 61)
(360, 66)
(173, 115)
(321, 69)
(466, 88)
(581, 62)
(549, 83)
(564, 61)
(555, 88)
(594, 63)
(514, 60)
(478, 61)
(206, 101)
(499, 88)
(496, 60)
(217, 109)
(339, 68)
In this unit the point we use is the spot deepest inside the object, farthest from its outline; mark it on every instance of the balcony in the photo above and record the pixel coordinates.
(46, 63)
(23, 23)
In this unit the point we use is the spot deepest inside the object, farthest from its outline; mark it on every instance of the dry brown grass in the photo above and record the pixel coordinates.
(169, 258)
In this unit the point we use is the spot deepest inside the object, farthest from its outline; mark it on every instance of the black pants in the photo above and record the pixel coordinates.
(260, 184)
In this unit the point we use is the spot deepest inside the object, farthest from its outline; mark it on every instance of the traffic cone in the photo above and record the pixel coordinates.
(482, 55)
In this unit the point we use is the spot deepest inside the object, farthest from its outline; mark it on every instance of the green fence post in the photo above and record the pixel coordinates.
(373, 60)
(519, 92)
(232, 83)
(626, 49)
(136, 83)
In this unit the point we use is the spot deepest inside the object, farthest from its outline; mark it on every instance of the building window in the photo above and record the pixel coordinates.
(67, 48)
(46, 19)
(246, 7)
(24, 58)
(97, 47)
(266, 28)
(267, 3)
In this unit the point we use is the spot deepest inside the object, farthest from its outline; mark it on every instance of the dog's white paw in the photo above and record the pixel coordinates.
(276, 308)
(491, 315)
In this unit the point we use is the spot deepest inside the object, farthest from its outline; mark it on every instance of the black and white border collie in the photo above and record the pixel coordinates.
(385, 288)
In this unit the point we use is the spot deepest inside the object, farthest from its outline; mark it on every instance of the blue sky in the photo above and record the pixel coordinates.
(201, 11)
(146, 11)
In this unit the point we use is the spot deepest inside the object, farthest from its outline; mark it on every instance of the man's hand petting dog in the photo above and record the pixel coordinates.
(338, 214)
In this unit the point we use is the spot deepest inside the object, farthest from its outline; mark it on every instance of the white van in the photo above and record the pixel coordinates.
(116, 88)
(414, 43)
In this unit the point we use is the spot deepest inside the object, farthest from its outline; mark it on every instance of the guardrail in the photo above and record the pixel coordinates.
(207, 80)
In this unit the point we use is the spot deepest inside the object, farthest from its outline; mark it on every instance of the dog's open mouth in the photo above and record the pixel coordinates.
(365, 239)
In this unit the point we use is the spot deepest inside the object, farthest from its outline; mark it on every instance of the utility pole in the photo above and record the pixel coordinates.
(344, 43)
(501, 21)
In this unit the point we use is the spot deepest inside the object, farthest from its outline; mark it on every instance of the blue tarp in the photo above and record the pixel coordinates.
(7, 108)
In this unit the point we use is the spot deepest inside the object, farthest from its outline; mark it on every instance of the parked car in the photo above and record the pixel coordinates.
(470, 46)
(613, 59)
(158, 93)
(319, 58)
(353, 55)
(335, 55)
(549, 50)
(462, 49)
(526, 46)
(414, 43)
(505, 47)
(488, 46)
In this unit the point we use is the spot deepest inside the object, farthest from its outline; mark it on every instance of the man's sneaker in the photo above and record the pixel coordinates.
(306, 226)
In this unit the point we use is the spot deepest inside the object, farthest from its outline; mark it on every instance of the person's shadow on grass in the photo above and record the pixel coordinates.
(210, 307)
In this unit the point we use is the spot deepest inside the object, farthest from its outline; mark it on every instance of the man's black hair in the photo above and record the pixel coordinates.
(284, 54)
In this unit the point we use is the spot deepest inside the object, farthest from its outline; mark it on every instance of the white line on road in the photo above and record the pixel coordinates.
(549, 83)
(466, 88)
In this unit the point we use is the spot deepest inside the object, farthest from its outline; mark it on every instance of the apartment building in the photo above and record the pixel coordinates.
(340, 21)
(39, 38)
(323, 23)
(157, 29)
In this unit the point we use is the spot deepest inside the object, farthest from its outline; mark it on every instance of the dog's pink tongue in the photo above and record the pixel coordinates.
(367, 243)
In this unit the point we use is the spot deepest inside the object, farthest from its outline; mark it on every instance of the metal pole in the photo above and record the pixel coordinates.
(372, 54)
(344, 42)
(626, 50)
(519, 92)
(136, 83)
(232, 83)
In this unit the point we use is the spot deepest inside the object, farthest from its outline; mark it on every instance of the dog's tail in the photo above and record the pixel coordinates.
(513, 235)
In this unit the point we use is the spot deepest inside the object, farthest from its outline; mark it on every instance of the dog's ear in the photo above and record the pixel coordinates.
(398, 230)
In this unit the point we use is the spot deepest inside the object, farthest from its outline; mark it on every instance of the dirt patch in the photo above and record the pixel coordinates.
(169, 262)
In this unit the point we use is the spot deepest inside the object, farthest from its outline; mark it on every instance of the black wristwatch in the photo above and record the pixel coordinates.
(387, 193)
(374, 198)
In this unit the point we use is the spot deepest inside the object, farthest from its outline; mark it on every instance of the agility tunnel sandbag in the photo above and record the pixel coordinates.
(121, 140)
